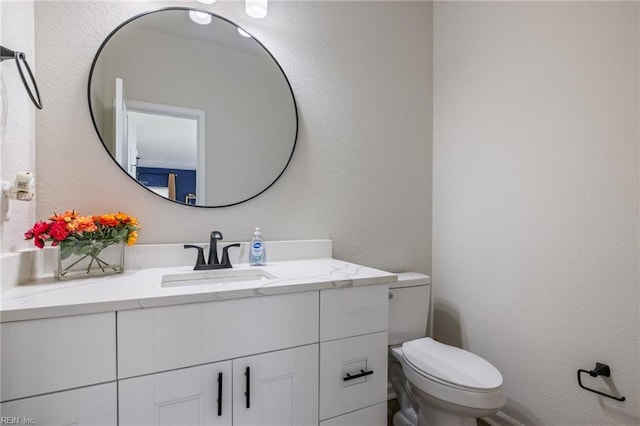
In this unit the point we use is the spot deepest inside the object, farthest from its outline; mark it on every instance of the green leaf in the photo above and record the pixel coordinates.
(83, 249)
(65, 250)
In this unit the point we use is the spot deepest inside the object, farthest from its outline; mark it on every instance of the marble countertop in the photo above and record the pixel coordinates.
(142, 288)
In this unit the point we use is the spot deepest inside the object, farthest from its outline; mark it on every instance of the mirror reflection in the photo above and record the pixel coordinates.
(198, 113)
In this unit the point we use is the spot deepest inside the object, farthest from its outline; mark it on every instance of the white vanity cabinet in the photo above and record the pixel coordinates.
(264, 349)
(267, 360)
(60, 370)
(289, 356)
(353, 355)
(276, 388)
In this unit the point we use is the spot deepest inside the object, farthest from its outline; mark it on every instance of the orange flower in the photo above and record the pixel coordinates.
(82, 224)
(126, 219)
(68, 216)
(107, 220)
(133, 236)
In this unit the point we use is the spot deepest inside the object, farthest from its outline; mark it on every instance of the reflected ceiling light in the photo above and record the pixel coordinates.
(243, 33)
(256, 8)
(200, 17)
(207, 1)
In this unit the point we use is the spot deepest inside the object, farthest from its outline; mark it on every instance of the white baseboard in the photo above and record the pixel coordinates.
(501, 419)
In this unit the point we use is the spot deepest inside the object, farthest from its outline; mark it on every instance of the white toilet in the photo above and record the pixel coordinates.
(436, 384)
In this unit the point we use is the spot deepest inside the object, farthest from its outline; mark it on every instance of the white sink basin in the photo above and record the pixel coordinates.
(215, 276)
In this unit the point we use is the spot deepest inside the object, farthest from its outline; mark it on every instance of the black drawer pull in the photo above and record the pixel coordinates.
(247, 394)
(357, 376)
(219, 394)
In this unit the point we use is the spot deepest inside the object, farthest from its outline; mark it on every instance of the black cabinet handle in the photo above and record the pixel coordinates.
(247, 394)
(219, 394)
(357, 376)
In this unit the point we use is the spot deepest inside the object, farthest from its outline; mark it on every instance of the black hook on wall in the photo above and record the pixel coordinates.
(600, 370)
(20, 59)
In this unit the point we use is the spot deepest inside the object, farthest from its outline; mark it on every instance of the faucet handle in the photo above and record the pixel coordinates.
(225, 254)
(200, 259)
(216, 235)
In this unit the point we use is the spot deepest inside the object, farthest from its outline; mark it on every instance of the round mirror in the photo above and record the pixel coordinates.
(192, 107)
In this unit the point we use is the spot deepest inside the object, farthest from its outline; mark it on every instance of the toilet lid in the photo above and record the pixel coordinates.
(452, 365)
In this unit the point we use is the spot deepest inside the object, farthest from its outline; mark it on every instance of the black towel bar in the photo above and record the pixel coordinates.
(600, 370)
(20, 58)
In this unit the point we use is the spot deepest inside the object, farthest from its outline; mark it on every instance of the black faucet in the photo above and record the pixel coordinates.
(213, 248)
(213, 262)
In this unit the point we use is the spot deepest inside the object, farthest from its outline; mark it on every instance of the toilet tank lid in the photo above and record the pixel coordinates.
(410, 279)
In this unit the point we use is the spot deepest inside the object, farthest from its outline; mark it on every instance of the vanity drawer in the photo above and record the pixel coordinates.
(163, 338)
(53, 354)
(347, 312)
(351, 356)
(90, 406)
(370, 416)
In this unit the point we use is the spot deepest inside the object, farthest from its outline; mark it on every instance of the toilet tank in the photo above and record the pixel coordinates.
(409, 303)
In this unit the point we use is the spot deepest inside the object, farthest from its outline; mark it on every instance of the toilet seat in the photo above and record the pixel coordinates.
(451, 366)
(475, 402)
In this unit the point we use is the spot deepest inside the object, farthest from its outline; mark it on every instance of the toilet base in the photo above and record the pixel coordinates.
(435, 409)
(408, 414)
(428, 416)
(400, 419)
(433, 412)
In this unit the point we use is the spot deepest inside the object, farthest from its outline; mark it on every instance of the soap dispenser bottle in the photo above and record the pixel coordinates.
(257, 253)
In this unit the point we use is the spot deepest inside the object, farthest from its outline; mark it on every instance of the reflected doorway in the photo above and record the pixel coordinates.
(167, 147)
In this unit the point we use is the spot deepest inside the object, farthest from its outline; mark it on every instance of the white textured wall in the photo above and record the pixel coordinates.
(535, 243)
(361, 172)
(17, 117)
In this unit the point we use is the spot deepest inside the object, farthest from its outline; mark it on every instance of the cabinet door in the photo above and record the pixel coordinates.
(90, 406)
(191, 396)
(277, 388)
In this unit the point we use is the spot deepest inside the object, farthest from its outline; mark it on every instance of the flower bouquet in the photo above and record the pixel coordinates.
(87, 245)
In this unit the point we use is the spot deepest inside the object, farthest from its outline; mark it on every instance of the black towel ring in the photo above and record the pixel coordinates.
(20, 59)
(600, 370)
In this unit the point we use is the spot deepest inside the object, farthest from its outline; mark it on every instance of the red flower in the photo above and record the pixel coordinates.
(58, 232)
(41, 228)
(38, 233)
(38, 228)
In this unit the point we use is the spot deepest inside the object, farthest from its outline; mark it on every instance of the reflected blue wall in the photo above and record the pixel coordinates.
(185, 180)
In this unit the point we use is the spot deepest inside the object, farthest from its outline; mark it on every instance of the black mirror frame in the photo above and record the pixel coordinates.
(95, 60)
